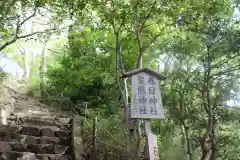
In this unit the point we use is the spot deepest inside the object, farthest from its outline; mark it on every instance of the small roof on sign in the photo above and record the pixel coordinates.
(146, 70)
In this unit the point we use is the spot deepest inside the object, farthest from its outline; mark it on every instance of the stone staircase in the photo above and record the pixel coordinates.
(36, 137)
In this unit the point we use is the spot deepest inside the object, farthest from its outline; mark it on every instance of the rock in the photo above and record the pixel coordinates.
(63, 120)
(33, 131)
(5, 147)
(42, 157)
(10, 156)
(19, 147)
(29, 140)
(10, 137)
(65, 141)
(48, 140)
(62, 133)
(60, 149)
(41, 149)
(59, 157)
(28, 156)
(8, 128)
(47, 132)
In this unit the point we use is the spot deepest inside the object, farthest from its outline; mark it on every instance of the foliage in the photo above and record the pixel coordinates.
(3, 76)
(196, 44)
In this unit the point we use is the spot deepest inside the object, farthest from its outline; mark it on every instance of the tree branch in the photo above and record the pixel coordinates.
(19, 24)
(29, 17)
(232, 69)
(131, 33)
(148, 15)
(34, 33)
(152, 41)
(7, 43)
(23, 36)
(226, 60)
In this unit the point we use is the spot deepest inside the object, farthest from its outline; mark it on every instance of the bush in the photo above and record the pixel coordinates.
(3, 75)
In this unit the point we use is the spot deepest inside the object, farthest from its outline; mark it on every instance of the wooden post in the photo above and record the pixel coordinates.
(82, 126)
(73, 135)
(85, 110)
(147, 127)
(94, 136)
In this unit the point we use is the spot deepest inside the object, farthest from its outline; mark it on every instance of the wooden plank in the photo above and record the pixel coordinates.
(152, 147)
(146, 101)
(131, 123)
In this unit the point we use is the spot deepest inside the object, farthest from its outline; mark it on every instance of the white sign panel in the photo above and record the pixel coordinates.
(152, 147)
(146, 101)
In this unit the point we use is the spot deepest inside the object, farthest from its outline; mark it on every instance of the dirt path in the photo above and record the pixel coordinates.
(22, 105)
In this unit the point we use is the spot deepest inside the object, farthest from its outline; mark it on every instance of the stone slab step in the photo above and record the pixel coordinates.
(54, 127)
(34, 148)
(10, 155)
(15, 137)
(40, 114)
(35, 131)
(39, 120)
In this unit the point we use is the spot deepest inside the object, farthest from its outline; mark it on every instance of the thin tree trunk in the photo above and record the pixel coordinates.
(25, 63)
(42, 68)
(26, 66)
(32, 64)
(185, 128)
(209, 150)
(32, 56)
(139, 65)
(187, 142)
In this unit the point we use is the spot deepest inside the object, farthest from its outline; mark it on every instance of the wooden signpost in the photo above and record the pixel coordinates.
(152, 146)
(146, 103)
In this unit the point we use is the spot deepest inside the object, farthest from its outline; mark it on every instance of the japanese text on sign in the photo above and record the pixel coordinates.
(146, 99)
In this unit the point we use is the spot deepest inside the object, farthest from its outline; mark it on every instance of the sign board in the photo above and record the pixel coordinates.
(152, 147)
(131, 123)
(146, 101)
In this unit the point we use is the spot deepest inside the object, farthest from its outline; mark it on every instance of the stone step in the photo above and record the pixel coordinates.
(15, 137)
(35, 131)
(55, 127)
(40, 114)
(35, 114)
(10, 155)
(39, 120)
(35, 148)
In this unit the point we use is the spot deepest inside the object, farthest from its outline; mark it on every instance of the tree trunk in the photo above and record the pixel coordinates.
(42, 67)
(187, 142)
(26, 66)
(32, 65)
(206, 147)
(139, 65)
(25, 63)
(209, 149)
(185, 128)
